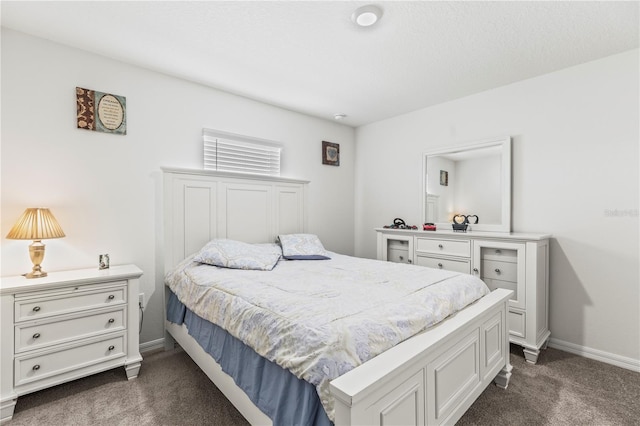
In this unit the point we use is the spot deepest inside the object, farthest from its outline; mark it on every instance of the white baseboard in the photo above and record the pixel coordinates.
(598, 355)
(152, 345)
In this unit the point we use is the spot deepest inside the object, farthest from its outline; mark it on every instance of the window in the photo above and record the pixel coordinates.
(240, 154)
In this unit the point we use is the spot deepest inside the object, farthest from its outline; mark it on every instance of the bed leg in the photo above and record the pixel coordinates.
(503, 377)
(169, 341)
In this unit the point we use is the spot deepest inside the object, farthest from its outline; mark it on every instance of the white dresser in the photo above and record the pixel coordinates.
(515, 261)
(65, 326)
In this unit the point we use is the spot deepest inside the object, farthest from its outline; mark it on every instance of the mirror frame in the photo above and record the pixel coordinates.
(505, 148)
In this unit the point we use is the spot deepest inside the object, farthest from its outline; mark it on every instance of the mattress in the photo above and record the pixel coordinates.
(319, 319)
(284, 398)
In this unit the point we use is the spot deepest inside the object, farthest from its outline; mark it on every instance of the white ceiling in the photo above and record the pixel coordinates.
(308, 56)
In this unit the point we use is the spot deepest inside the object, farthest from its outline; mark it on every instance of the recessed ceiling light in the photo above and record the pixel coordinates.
(340, 116)
(366, 16)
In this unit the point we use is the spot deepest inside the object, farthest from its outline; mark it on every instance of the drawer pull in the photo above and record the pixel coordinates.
(36, 367)
(35, 336)
(111, 347)
(111, 297)
(440, 246)
(36, 308)
(497, 271)
(111, 320)
(401, 257)
(498, 251)
(475, 270)
(440, 265)
(408, 260)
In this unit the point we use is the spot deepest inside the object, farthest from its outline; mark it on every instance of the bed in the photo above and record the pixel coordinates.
(430, 378)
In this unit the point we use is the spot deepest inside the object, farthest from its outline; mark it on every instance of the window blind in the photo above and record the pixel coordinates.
(240, 154)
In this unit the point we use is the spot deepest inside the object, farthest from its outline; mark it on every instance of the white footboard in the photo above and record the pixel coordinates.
(432, 378)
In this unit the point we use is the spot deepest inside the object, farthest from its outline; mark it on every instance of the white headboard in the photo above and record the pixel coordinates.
(202, 205)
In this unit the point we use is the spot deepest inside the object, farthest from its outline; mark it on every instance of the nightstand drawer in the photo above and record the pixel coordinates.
(461, 265)
(503, 271)
(37, 367)
(39, 334)
(72, 300)
(444, 247)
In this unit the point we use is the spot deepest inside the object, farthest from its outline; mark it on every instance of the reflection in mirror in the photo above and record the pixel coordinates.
(469, 180)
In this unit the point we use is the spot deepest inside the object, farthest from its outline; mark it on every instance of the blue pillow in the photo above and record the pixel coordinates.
(302, 247)
(238, 255)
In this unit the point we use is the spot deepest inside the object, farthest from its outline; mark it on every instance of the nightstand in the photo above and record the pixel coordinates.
(65, 326)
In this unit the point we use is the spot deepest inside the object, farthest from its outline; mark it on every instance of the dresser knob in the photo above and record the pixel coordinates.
(497, 271)
(36, 367)
(111, 297)
(475, 270)
(440, 265)
(35, 336)
(400, 257)
(111, 320)
(111, 347)
(439, 245)
(498, 251)
(36, 308)
(408, 260)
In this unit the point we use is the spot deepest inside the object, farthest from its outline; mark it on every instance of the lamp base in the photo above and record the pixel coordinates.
(36, 252)
(36, 274)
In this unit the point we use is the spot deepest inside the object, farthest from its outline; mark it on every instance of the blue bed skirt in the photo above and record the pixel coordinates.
(283, 397)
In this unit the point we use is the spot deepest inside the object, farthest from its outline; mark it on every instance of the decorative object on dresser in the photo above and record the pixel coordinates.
(460, 223)
(65, 326)
(515, 261)
(36, 224)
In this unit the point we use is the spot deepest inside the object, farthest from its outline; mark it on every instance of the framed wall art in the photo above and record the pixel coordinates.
(444, 178)
(102, 112)
(330, 153)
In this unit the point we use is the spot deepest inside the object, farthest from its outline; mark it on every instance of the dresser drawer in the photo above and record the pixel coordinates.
(503, 271)
(39, 334)
(517, 323)
(398, 255)
(444, 247)
(500, 254)
(37, 367)
(67, 301)
(461, 265)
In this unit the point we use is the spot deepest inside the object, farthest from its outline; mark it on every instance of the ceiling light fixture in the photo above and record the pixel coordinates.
(366, 16)
(340, 116)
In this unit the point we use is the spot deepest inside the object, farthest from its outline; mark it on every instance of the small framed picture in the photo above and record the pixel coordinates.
(103, 261)
(330, 153)
(444, 178)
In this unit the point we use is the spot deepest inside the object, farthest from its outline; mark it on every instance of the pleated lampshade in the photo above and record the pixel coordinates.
(36, 224)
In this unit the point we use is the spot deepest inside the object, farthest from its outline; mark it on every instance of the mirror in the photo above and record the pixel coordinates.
(469, 180)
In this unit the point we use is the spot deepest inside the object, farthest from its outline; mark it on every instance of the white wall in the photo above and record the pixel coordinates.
(575, 162)
(105, 190)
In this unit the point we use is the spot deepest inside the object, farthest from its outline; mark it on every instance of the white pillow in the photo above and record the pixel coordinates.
(302, 247)
(238, 255)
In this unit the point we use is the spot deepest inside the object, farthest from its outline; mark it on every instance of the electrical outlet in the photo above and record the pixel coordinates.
(141, 300)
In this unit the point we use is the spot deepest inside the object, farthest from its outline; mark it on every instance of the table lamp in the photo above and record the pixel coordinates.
(36, 224)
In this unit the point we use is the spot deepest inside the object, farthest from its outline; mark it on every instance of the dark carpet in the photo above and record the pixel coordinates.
(562, 389)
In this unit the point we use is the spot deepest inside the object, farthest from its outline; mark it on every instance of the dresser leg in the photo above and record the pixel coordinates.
(132, 370)
(6, 409)
(531, 355)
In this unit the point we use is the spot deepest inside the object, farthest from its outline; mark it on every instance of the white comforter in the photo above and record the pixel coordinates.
(322, 318)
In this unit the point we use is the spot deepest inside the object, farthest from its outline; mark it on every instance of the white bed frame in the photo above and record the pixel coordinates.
(431, 378)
